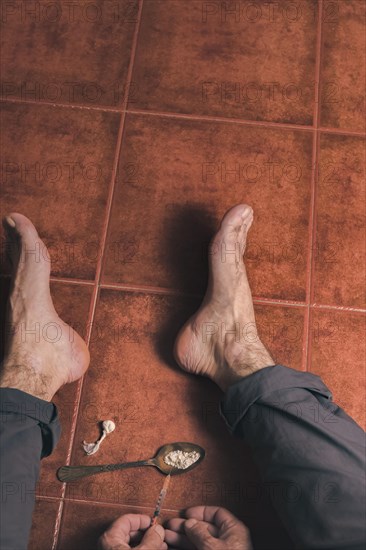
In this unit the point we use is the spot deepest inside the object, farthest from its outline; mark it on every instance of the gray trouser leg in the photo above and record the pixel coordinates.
(29, 431)
(309, 452)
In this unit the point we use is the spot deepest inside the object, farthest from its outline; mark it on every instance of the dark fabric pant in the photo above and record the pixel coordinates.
(307, 449)
(29, 431)
(309, 452)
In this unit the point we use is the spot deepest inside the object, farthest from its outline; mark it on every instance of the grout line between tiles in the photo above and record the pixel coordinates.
(325, 130)
(93, 502)
(314, 180)
(126, 287)
(316, 254)
(211, 118)
(122, 287)
(62, 280)
(311, 229)
(305, 337)
(66, 281)
(338, 309)
(104, 108)
(310, 342)
(187, 116)
(166, 114)
(116, 504)
(56, 530)
(278, 302)
(98, 273)
(47, 498)
(318, 69)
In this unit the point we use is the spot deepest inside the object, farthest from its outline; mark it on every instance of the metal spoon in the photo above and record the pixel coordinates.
(71, 473)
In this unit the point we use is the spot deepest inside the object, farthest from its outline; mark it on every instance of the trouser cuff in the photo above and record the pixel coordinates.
(260, 385)
(19, 406)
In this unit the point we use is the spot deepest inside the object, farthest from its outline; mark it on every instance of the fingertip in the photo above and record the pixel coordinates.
(190, 523)
(159, 529)
(145, 521)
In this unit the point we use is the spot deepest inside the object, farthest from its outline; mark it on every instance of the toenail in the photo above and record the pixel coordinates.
(10, 221)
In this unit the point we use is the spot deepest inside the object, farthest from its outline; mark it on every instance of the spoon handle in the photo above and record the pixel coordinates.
(71, 473)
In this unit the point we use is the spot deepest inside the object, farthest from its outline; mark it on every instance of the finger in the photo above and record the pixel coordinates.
(230, 528)
(197, 532)
(135, 537)
(233, 530)
(178, 540)
(177, 525)
(120, 530)
(153, 539)
(130, 523)
(212, 514)
(202, 513)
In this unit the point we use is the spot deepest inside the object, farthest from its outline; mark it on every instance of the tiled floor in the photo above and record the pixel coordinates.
(128, 128)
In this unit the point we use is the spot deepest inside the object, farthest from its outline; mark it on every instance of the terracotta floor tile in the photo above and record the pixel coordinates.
(282, 329)
(343, 65)
(43, 525)
(72, 304)
(255, 63)
(340, 247)
(93, 520)
(134, 381)
(57, 166)
(61, 50)
(176, 181)
(338, 356)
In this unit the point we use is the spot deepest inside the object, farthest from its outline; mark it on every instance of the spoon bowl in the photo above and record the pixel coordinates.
(72, 473)
(165, 468)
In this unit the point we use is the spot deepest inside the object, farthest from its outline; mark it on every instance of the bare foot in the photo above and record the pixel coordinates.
(43, 353)
(221, 341)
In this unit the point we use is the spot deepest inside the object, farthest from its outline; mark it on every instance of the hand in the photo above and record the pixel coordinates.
(208, 528)
(128, 529)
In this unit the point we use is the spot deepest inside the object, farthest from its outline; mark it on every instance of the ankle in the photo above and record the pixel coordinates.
(254, 358)
(26, 379)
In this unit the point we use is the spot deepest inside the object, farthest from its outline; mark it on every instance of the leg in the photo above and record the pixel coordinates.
(308, 450)
(34, 368)
(29, 430)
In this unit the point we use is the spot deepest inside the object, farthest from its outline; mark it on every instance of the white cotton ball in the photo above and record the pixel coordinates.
(108, 426)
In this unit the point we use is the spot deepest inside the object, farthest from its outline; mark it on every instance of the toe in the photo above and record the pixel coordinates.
(237, 215)
(22, 225)
(8, 222)
(25, 247)
(236, 223)
(246, 223)
(232, 235)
